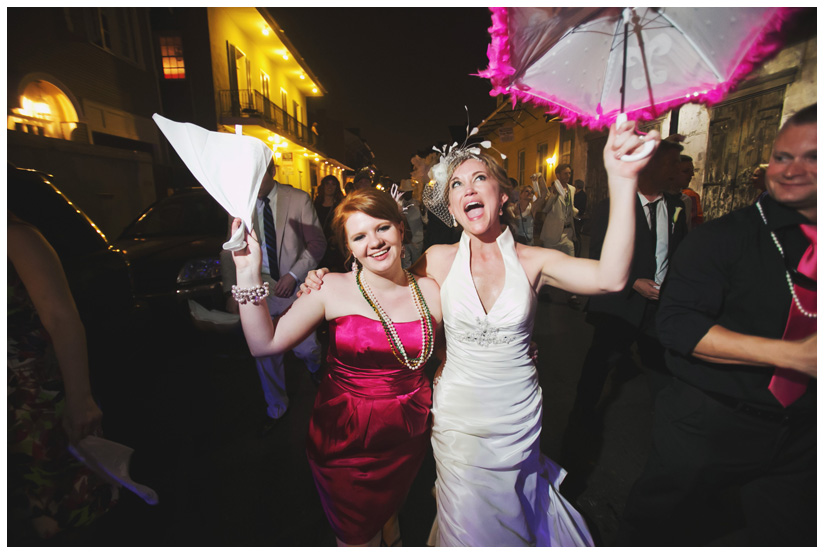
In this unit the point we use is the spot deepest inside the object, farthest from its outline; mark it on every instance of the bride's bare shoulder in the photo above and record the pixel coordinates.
(435, 262)
(441, 255)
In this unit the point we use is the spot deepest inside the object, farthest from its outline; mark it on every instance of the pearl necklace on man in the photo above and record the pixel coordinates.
(396, 346)
(787, 273)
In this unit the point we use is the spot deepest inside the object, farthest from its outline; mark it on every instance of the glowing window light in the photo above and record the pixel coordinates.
(31, 108)
(171, 52)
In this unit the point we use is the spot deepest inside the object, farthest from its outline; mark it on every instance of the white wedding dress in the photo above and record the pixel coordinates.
(494, 487)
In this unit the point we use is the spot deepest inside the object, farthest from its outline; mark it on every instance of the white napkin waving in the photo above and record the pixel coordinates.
(229, 166)
(110, 460)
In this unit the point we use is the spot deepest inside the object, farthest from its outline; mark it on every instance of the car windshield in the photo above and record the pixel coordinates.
(181, 215)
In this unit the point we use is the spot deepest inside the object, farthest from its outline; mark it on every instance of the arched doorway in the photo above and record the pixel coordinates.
(45, 110)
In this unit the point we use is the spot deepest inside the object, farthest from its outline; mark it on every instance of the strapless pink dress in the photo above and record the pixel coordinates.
(370, 426)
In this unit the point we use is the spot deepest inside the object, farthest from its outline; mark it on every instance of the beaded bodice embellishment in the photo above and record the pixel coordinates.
(485, 335)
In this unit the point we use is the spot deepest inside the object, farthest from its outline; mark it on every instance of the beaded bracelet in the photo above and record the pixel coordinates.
(250, 294)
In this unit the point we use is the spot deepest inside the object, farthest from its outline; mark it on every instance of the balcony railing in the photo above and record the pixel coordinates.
(249, 103)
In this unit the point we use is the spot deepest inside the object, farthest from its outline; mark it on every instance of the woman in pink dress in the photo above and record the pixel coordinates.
(370, 425)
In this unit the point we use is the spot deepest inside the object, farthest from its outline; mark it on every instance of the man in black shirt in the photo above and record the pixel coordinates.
(736, 290)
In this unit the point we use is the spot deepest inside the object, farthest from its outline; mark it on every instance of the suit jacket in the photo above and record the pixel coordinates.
(628, 304)
(300, 238)
(555, 219)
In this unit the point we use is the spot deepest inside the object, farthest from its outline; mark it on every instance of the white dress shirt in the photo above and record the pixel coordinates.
(661, 233)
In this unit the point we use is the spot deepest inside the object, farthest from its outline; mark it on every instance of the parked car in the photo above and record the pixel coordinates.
(97, 272)
(174, 248)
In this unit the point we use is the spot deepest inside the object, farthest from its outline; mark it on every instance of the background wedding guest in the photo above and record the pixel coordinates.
(580, 203)
(415, 225)
(694, 208)
(521, 215)
(555, 202)
(327, 196)
(293, 244)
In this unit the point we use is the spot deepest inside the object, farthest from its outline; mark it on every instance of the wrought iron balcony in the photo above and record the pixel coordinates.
(260, 110)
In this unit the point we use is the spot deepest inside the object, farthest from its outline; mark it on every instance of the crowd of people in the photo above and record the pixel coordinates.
(721, 313)
(709, 355)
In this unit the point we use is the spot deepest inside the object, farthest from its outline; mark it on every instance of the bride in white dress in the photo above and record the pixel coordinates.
(494, 487)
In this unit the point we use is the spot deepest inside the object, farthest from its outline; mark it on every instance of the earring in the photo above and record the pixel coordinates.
(455, 224)
(355, 264)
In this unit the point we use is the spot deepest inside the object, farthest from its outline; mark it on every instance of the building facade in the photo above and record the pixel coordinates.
(80, 95)
(82, 91)
(262, 84)
(245, 75)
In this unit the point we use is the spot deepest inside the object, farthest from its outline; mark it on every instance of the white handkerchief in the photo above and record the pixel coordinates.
(229, 166)
(110, 460)
(213, 320)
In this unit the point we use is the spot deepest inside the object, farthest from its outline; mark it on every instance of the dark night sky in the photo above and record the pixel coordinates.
(401, 75)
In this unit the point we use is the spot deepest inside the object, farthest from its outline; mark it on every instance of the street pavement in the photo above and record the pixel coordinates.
(190, 404)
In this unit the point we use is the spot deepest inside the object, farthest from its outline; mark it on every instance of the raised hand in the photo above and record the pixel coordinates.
(248, 258)
(623, 140)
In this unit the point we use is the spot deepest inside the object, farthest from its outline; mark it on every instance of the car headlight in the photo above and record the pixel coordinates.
(200, 269)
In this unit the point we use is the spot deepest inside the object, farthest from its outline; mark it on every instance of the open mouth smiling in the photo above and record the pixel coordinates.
(474, 209)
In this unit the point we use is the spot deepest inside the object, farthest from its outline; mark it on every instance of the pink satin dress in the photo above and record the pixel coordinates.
(370, 427)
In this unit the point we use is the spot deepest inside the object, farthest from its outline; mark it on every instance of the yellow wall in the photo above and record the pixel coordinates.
(262, 57)
(532, 132)
(222, 28)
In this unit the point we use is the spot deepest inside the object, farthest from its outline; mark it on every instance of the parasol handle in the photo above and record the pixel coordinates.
(645, 151)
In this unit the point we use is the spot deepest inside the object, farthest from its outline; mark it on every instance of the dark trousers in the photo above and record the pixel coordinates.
(612, 339)
(703, 449)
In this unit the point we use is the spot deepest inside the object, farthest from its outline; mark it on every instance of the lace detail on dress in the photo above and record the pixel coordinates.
(485, 334)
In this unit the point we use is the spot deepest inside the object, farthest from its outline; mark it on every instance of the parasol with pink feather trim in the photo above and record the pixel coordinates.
(589, 65)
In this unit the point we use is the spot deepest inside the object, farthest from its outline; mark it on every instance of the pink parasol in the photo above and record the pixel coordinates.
(591, 64)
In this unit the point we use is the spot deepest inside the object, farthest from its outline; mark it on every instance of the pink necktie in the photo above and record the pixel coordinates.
(789, 385)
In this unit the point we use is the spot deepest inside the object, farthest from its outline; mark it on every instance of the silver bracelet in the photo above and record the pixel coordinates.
(250, 294)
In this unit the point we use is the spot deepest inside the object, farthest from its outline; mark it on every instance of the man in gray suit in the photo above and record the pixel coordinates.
(292, 243)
